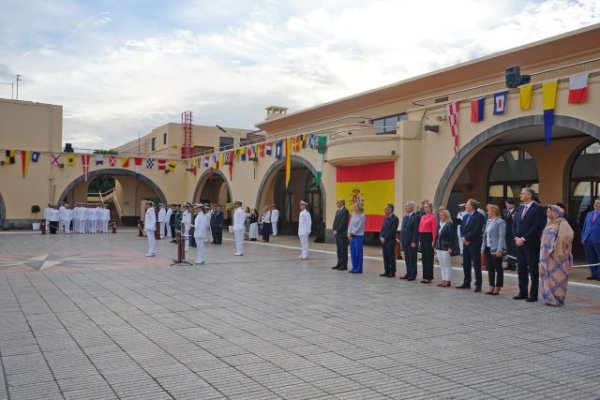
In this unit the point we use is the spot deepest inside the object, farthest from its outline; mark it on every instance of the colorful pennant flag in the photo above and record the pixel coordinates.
(162, 165)
(452, 114)
(229, 156)
(321, 146)
(288, 161)
(35, 156)
(251, 153)
(269, 149)
(149, 163)
(55, 159)
(261, 150)
(99, 159)
(205, 162)
(549, 90)
(112, 161)
(9, 157)
(125, 162)
(500, 102)
(25, 157)
(278, 149)
(70, 160)
(303, 140)
(171, 166)
(312, 140)
(222, 158)
(371, 185)
(138, 166)
(477, 107)
(525, 95)
(243, 153)
(85, 162)
(578, 89)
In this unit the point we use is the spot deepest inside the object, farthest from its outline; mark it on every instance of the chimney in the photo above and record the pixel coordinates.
(275, 112)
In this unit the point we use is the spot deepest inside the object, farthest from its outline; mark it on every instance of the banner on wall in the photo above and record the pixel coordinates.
(370, 184)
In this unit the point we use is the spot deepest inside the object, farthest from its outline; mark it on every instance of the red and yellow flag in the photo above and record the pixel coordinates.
(370, 184)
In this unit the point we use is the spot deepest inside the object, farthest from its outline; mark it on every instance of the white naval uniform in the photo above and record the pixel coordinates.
(168, 222)
(274, 220)
(65, 219)
(149, 227)
(47, 217)
(199, 235)
(304, 227)
(186, 222)
(162, 215)
(105, 219)
(239, 217)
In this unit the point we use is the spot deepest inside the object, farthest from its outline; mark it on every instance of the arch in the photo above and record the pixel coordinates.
(116, 172)
(204, 178)
(469, 150)
(270, 175)
(519, 174)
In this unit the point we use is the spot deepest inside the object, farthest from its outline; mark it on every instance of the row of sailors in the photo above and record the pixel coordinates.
(84, 218)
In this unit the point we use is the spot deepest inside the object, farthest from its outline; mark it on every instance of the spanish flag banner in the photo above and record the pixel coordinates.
(370, 184)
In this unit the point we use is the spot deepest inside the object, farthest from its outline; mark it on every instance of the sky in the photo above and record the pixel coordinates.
(121, 68)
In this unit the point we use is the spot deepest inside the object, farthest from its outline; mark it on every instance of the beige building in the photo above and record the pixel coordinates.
(406, 124)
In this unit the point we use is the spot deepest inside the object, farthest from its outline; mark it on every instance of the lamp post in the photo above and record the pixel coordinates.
(18, 80)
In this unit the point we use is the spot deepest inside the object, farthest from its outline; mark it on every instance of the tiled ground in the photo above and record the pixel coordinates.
(86, 317)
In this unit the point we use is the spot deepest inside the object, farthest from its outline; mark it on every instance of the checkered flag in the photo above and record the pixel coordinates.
(149, 163)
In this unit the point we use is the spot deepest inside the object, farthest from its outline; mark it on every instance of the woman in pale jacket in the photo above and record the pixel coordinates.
(493, 246)
(356, 234)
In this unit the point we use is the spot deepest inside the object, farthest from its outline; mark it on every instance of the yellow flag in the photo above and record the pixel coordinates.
(525, 93)
(70, 160)
(549, 90)
(222, 159)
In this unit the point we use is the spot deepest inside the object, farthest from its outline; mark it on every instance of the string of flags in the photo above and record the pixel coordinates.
(578, 94)
(279, 149)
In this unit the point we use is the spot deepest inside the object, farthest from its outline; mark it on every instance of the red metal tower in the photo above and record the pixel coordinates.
(187, 150)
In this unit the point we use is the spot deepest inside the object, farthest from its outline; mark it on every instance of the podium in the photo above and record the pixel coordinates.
(180, 240)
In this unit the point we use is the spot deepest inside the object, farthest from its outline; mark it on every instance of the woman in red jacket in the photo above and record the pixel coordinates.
(428, 229)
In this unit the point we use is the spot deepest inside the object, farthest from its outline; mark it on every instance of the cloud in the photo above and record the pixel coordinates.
(121, 71)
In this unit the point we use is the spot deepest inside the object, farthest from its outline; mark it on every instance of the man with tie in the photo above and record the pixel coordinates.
(528, 225)
(471, 232)
(590, 237)
(340, 232)
(410, 239)
(387, 237)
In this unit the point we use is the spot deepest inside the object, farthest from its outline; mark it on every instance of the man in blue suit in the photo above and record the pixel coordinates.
(387, 237)
(590, 237)
(410, 240)
(528, 224)
(471, 232)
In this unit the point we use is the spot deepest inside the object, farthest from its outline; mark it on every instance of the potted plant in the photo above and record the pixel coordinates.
(35, 209)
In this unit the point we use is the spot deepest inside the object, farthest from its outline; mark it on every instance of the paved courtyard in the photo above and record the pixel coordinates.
(89, 317)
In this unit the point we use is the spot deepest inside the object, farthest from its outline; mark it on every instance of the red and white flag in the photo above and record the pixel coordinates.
(452, 114)
(162, 164)
(112, 161)
(85, 161)
(578, 89)
(138, 166)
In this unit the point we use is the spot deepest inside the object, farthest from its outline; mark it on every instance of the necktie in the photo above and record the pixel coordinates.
(525, 208)
(467, 218)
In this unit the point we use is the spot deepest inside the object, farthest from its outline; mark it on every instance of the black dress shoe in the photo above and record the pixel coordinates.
(477, 289)
(591, 278)
(532, 300)
(411, 279)
(425, 281)
(336, 267)
(391, 276)
(343, 269)
(384, 275)
(404, 277)
(519, 297)
(463, 286)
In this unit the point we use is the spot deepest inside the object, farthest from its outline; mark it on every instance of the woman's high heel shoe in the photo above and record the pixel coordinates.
(491, 291)
(496, 291)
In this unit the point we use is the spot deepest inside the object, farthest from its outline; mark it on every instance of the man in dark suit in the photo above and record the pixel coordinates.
(471, 232)
(216, 225)
(410, 239)
(508, 216)
(590, 237)
(340, 232)
(528, 225)
(387, 237)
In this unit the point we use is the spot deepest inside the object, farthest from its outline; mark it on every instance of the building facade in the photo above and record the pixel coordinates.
(445, 136)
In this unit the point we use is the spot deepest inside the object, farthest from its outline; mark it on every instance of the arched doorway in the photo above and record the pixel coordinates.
(302, 186)
(126, 196)
(511, 171)
(212, 187)
(467, 175)
(584, 181)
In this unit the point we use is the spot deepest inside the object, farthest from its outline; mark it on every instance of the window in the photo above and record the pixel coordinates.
(511, 171)
(165, 138)
(387, 125)
(225, 142)
(153, 144)
(585, 181)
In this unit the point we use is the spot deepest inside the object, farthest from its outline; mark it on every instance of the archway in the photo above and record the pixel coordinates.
(456, 185)
(584, 180)
(509, 172)
(302, 186)
(129, 191)
(212, 187)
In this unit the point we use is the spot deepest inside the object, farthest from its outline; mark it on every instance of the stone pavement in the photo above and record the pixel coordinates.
(89, 317)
